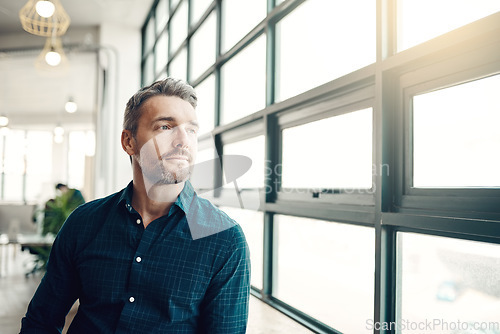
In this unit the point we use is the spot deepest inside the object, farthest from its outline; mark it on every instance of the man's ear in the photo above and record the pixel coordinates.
(128, 142)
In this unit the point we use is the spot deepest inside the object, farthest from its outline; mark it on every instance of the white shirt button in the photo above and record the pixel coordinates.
(131, 299)
(138, 221)
(138, 259)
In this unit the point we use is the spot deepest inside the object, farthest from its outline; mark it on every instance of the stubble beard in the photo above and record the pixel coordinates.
(159, 174)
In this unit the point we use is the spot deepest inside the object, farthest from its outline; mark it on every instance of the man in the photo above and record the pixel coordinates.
(154, 257)
(75, 196)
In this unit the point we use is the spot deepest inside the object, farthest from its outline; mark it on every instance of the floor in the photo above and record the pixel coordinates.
(16, 290)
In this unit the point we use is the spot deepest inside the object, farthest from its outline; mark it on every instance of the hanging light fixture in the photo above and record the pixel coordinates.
(52, 54)
(44, 18)
(71, 106)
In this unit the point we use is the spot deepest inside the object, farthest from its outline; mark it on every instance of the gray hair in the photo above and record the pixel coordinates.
(166, 87)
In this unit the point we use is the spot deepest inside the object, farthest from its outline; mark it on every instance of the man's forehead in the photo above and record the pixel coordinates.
(168, 108)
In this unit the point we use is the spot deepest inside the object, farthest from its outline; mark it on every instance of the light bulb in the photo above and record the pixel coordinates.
(58, 131)
(71, 106)
(4, 121)
(45, 8)
(53, 58)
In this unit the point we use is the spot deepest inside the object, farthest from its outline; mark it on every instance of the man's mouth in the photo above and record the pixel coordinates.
(177, 157)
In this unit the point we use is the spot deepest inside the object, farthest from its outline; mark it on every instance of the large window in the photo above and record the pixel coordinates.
(359, 149)
(25, 179)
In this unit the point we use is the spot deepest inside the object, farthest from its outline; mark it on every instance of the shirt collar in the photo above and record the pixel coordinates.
(183, 201)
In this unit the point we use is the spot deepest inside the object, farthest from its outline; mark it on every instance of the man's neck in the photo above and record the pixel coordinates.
(156, 202)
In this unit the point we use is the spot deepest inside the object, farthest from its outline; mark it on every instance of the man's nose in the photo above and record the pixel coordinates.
(180, 137)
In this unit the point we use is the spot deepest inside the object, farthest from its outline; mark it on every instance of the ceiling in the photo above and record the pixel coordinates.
(32, 96)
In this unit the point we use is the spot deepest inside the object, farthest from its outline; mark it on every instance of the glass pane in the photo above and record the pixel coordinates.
(178, 66)
(439, 17)
(198, 8)
(244, 82)
(252, 223)
(15, 146)
(148, 70)
(39, 148)
(14, 165)
(456, 137)
(13, 188)
(205, 110)
(161, 15)
(149, 35)
(203, 47)
(335, 152)
(252, 148)
(335, 37)
(179, 27)
(161, 53)
(238, 18)
(174, 3)
(326, 270)
(451, 283)
(76, 159)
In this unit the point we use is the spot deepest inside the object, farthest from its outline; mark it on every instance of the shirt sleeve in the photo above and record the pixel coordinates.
(225, 306)
(58, 289)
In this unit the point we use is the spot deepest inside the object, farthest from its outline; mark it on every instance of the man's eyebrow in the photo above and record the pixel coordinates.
(163, 119)
(173, 120)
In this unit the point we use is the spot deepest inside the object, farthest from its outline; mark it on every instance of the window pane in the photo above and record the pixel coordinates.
(179, 27)
(447, 280)
(327, 271)
(252, 223)
(203, 47)
(439, 17)
(161, 15)
(335, 152)
(206, 104)
(13, 188)
(238, 18)
(198, 8)
(161, 52)
(178, 66)
(76, 159)
(174, 3)
(252, 148)
(149, 35)
(39, 148)
(15, 146)
(322, 40)
(148, 70)
(244, 82)
(456, 137)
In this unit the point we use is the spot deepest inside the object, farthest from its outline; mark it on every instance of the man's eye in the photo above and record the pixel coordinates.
(165, 127)
(192, 131)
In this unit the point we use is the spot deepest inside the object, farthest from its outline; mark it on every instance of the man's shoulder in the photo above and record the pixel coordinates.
(205, 219)
(93, 212)
(100, 204)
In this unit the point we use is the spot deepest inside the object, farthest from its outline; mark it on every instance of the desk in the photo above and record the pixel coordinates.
(9, 246)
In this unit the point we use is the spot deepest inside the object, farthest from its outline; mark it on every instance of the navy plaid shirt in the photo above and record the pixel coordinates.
(155, 280)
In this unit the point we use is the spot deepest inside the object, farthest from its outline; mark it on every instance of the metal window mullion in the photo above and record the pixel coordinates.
(270, 255)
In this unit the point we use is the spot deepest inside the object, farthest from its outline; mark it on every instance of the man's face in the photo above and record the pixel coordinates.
(166, 140)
